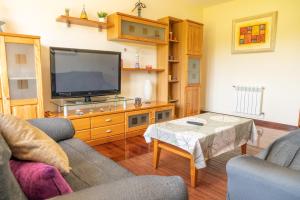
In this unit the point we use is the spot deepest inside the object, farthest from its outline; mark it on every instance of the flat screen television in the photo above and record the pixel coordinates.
(84, 73)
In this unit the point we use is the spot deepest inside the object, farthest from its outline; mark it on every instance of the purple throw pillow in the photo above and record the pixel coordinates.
(38, 180)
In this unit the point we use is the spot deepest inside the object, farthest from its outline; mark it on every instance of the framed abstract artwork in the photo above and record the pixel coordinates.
(254, 34)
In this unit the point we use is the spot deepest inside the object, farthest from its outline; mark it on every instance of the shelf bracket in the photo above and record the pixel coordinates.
(68, 23)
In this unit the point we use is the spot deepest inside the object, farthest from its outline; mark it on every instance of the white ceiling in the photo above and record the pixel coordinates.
(209, 2)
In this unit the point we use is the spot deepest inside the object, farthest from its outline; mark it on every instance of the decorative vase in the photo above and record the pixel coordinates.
(148, 91)
(83, 14)
(102, 19)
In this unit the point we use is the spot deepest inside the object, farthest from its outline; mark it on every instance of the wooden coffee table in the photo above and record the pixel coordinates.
(219, 134)
(158, 145)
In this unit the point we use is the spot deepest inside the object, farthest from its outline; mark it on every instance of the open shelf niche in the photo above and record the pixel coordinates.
(168, 57)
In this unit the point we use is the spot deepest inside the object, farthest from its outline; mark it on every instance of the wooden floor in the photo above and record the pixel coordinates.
(136, 155)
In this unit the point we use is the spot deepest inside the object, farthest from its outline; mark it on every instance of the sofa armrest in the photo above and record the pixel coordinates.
(134, 188)
(57, 128)
(252, 178)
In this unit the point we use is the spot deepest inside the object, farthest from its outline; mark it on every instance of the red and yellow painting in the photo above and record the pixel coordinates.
(254, 34)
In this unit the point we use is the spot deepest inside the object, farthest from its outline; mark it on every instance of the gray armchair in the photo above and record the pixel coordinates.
(272, 175)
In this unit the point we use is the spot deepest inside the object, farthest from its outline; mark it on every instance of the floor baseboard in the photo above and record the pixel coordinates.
(268, 124)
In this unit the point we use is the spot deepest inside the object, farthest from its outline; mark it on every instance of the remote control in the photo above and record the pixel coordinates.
(195, 123)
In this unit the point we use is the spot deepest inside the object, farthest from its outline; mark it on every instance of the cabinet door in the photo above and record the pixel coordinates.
(195, 39)
(21, 77)
(193, 70)
(137, 120)
(192, 103)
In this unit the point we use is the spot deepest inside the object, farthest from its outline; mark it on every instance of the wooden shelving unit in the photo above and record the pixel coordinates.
(82, 22)
(142, 70)
(182, 52)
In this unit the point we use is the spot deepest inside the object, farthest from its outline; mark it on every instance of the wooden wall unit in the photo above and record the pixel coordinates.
(186, 49)
(21, 76)
(123, 27)
(100, 127)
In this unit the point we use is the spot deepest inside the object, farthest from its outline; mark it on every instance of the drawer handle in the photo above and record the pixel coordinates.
(108, 131)
(108, 120)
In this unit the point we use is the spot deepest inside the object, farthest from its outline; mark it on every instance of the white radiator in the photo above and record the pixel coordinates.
(249, 100)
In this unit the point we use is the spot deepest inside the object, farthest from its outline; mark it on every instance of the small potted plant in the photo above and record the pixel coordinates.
(102, 16)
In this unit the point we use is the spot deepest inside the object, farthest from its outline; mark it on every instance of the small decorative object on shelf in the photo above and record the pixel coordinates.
(137, 60)
(148, 67)
(138, 101)
(83, 14)
(67, 12)
(102, 16)
(139, 5)
(148, 91)
(1, 24)
(171, 35)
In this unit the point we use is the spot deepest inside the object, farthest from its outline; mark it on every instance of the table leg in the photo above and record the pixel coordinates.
(156, 153)
(194, 173)
(244, 149)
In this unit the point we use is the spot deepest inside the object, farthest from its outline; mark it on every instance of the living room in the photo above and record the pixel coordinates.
(173, 111)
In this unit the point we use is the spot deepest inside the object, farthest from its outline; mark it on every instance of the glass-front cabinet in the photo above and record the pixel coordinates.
(21, 76)
(131, 28)
(193, 70)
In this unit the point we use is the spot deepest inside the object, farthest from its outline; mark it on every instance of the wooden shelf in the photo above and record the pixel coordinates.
(173, 81)
(81, 22)
(173, 100)
(174, 41)
(142, 69)
(173, 61)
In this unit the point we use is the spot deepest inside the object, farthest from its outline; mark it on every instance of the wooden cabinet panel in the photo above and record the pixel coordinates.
(107, 131)
(24, 112)
(195, 39)
(84, 135)
(125, 27)
(138, 120)
(192, 100)
(107, 120)
(21, 81)
(81, 124)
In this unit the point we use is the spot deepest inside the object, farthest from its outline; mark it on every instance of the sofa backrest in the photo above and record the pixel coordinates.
(9, 187)
(285, 151)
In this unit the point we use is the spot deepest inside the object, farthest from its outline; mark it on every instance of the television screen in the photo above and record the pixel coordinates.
(78, 73)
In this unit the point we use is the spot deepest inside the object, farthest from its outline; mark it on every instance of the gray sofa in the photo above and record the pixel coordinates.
(272, 175)
(93, 176)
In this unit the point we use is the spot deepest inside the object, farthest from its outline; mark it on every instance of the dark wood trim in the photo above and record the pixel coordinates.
(274, 125)
(268, 124)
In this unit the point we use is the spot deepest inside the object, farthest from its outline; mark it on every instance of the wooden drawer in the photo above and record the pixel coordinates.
(83, 135)
(107, 131)
(107, 120)
(81, 124)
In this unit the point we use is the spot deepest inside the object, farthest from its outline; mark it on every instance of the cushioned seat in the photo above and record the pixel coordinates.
(273, 174)
(89, 168)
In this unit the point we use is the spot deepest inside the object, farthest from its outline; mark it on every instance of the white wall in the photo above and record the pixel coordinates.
(278, 72)
(37, 17)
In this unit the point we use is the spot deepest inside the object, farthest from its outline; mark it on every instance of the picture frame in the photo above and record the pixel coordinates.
(254, 34)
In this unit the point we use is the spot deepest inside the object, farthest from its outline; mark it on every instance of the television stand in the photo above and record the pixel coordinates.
(112, 102)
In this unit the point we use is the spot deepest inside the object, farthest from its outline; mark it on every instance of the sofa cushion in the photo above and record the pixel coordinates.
(30, 143)
(9, 187)
(57, 128)
(90, 168)
(285, 151)
(39, 180)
